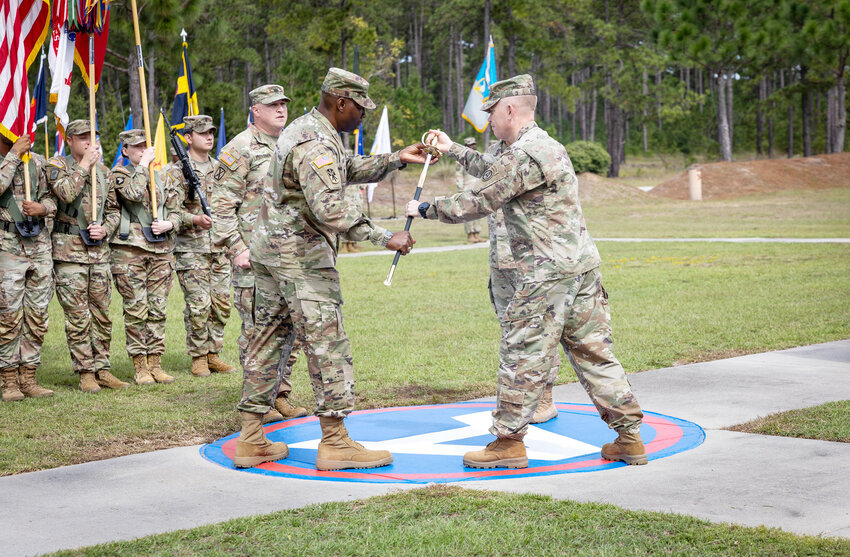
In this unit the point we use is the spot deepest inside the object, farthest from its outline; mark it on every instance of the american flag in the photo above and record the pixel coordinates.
(23, 28)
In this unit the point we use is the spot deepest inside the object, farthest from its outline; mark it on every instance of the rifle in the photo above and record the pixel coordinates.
(188, 173)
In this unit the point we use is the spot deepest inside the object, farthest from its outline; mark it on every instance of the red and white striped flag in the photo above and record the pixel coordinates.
(23, 28)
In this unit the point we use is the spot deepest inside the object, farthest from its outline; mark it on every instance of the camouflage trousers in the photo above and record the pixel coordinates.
(26, 287)
(84, 292)
(144, 280)
(502, 286)
(205, 281)
(302, 304)
(243, 300)
(573, 312)
(472, 226)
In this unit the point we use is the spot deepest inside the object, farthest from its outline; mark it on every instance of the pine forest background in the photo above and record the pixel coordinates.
(716, 78)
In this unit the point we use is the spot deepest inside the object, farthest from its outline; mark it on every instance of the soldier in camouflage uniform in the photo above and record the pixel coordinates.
(143, 269)
(83, 278)
(203, 269)
(235, 202)
(559, 297)
(26, 270)
(293, 253)
(503, 283)
(464, 181)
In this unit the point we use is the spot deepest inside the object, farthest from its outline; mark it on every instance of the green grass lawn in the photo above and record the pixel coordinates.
(445, 520)
(830, 422)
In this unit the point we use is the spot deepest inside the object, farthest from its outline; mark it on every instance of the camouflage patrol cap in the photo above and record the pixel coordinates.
(132, 137)
(349, 86)
(469, 141)
(512, 87)
(267, 94)
(198, 124)
(79, 127)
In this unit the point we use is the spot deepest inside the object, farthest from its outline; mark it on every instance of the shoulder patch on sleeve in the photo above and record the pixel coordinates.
(322, 160)
(219, 173)
(57, 162)
(492, 175)
(175, 174)
(227, 159)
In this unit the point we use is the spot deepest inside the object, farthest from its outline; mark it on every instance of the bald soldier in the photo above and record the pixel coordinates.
(464, 181)
(26, 269)
(235, 202)
(306, 207)
(203, 269)
(559, 296)
(81, 255)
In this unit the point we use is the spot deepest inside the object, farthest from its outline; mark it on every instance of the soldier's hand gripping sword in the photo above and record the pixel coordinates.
(430, 151)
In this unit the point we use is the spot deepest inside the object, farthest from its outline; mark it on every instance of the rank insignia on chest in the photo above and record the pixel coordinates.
(323, 160)
(332, 175)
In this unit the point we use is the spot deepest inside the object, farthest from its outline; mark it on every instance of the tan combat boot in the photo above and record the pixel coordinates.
(272, 416)
(252, 447)
(218, 365)
(11, 391)
(338, 451)
(200, 367)
(155, 367)
(470, 238)
(501, 453)
(628, 448)
(88, 382)
(546, 408)
(26, 378)
(287, 409)
(106, 379)
(143, 375)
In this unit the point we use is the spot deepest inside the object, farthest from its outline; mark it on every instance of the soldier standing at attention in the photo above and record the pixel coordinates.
(81, 261)
(242, 167)
(465, 182)
(559, 295)
(142, 269)
(293, 253)
(203, 269)
(27, 270)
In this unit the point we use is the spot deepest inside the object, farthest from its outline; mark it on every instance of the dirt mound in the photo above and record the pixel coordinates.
(732, 179)
(593, 188)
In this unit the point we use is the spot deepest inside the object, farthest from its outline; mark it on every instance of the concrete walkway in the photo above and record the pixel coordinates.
(798, 485)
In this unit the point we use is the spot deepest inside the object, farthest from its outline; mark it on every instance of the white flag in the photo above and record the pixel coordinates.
(480, 91)
(381, 145)
(61, 62)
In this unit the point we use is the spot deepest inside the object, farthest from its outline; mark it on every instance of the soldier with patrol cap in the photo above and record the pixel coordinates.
(305, 209)
(26, 267)
(464, 181)
(142, 269)
(81, 255)
(559, 296)
(235, 202)
(203, 269)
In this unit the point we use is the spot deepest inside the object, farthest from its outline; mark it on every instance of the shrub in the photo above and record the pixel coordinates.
(588, 157)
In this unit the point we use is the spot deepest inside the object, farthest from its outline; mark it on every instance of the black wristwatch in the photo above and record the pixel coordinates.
(423, 209)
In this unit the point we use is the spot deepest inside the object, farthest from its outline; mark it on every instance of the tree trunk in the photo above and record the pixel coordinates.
(150, 79)
(135, 86)
(645, 90)
(593, 103)
(840, 118)
(760, 99)
(730, 118)
(614, 121)
(448, 86)
(658, 98)
(268, 58)
(461, 100)
(769, 91)
(722, 119)
(806, 111)
(486, 46)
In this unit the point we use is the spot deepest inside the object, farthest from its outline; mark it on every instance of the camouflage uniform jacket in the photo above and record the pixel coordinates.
(305, 205)
(12, 176)
(500, 244)
(533, 182)
(242, 167)
(69, 181)
(189, 237)
(132, 186)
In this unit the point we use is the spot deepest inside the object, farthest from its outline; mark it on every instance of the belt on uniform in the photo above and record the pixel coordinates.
(9, 225)
(65, 228)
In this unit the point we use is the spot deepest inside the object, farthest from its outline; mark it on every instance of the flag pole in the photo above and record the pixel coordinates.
(46, 141)
(145, 116)
(92, 131)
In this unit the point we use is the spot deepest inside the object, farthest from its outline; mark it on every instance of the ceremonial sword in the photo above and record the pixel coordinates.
(431, 151)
